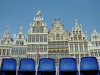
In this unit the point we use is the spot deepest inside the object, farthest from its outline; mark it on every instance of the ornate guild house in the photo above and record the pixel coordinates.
(55, 43)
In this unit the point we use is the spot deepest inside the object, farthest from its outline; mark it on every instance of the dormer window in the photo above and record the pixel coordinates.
(73, 32)
(8, 42)
(19, 36)
(53, 37)
(83, 38)
(57, 36)
(76, 32)
(95, 37)
(38, 23)
(71, 38)
(22, 43)
(79, 32)
(62, 37)
(75, 37)
(80, 38)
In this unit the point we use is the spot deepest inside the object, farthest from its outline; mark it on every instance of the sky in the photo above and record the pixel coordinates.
(16, 13)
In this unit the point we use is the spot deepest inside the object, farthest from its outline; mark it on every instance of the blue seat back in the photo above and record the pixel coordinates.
(9, 67)
(89, 65)
(46, 66)
(27, 65)
(68, 66)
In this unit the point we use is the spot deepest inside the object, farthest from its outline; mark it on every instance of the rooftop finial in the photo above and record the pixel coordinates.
(21, 28)
(6, 29)
(95, 30)
(57, 20)
(75, 21)
(38, 13)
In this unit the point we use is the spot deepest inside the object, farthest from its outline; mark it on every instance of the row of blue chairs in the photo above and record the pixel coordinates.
(67, 66)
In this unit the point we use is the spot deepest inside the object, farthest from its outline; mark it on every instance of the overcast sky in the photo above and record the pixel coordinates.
(16, 13)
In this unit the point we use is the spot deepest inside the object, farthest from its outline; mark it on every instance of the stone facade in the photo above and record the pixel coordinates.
(58, 41)
(94, 45)
(19, 46)
(55, 43)
(37, 38)
(78, 43)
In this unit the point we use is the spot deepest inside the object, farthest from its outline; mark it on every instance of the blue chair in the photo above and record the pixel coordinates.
(46, 67)
(27, 67)
(68, 66)
(89, 66)
(8, 67)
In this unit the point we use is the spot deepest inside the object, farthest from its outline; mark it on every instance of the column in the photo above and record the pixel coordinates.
(74, 49)
(43, 37)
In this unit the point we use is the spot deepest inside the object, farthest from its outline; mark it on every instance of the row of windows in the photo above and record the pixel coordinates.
(77, 32)
(5, 42)
(96, 43)
(18, 52)
(34, 48)
(58, 37)
(19, 42)
(95, 52)
(37, 38)
(78, 47)
(58, 55)
(77, 55)
(38, 29)
(95, 37)
(18, 48)
(4, 51)
(77, 37)
(58, 45)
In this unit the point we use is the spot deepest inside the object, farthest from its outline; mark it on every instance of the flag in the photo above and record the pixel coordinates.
(37, 53)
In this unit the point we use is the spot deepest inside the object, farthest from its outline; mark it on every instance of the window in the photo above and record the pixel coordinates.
(41, 38)
(76, 47)
(96, 42)
(34, 38)
(75, 37)
(73, 32)
(81, 47)
(85, 47)
(62, 37)
(4, 51)
(57, 36)
(8, 51)
(37, 38)
(38, 23)
(71, 38)
(45, 38)
(71, 47)
(53, 37)
(79, 32)
(76, 32)
(0, 51)
(80, 38)
(29, 38)
(83, 38)
(41, 48)
(20, 36)
(41, 29)
(45, 48)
